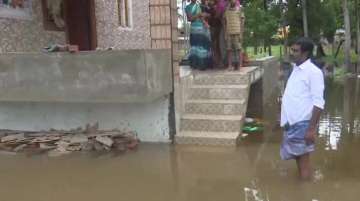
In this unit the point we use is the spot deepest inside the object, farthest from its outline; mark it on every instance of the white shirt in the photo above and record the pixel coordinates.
(304, 90)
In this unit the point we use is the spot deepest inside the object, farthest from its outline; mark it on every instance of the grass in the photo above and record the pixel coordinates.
(278, 51)
(275, 49)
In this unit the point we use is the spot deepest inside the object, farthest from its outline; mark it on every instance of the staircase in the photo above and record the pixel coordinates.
(214, 106)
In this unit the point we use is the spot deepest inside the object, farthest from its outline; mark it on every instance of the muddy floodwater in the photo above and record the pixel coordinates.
(156, 172)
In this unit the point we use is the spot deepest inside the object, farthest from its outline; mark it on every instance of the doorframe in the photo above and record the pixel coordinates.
(92, 21)
(93, 31)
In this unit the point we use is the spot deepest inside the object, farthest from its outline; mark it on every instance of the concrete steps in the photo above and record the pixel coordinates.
(217, 91)
(211, 123)
(214, 108)
(220, 79)
(208, 138)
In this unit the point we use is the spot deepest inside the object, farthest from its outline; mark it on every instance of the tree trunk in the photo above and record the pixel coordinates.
(338, 48)
(347, 36)
(357, 6)
(265, 5)
(270, 51)
(358, 40)
(305, 21)
(282, 8)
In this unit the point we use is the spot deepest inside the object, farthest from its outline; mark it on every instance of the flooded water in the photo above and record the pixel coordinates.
(158, 172)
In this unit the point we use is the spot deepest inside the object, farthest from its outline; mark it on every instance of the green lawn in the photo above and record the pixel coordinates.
(278, 51)
(275, 49)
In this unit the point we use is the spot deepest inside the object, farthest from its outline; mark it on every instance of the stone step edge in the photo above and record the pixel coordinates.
(215, 135)
(211, 117)
(243, 71)
(207, 141)
(223, 86)
(216, 101)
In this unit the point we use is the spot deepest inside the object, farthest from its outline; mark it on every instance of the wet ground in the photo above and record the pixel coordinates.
(253, 171)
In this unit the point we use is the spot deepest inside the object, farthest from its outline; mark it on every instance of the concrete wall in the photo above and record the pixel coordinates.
(110, 76)
(149, 120)
(118, 89)
(27, 35)
(270, 79)
(264, 92)
(110, 34)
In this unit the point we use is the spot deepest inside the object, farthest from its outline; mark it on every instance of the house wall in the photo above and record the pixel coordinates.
(27, 35)
(110, 34)
(151, 28)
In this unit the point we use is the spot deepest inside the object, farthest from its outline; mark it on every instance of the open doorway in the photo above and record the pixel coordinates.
(81, 24)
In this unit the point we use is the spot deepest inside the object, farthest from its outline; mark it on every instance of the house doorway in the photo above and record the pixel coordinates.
(81, 24)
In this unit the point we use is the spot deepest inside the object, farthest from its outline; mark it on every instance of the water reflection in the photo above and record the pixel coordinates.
(340, 120)
(330, 130)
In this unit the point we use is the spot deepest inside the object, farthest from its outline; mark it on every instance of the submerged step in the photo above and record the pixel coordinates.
(229, 135)
(215, 107)
(208, 138)
(211, 123)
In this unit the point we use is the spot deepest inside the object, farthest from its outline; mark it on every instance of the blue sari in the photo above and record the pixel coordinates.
(200, 56)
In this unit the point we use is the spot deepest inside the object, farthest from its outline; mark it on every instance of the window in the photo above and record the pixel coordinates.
(17, 9)
(53, 15)
(124, 11)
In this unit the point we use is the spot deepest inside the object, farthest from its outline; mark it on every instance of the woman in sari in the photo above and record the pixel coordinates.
(200, 55)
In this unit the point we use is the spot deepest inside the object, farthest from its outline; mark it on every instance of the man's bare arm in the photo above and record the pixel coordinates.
(311, 132)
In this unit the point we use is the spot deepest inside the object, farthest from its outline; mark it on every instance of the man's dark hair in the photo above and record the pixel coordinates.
(306, 45)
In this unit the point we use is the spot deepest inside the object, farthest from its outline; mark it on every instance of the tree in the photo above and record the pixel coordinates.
(357, 7)
(304, 16)
(347, 35)
(314, 19)
(260, 24)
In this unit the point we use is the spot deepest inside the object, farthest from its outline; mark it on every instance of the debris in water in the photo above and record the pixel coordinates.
(13, 138)
(253, 195)
(252, 126)
(20, 148)
(105, 140)
(59, 142)
(252, 129)
(244, 135)
(249, 120)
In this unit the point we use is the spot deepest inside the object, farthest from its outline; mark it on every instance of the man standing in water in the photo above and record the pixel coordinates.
(301, 107)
